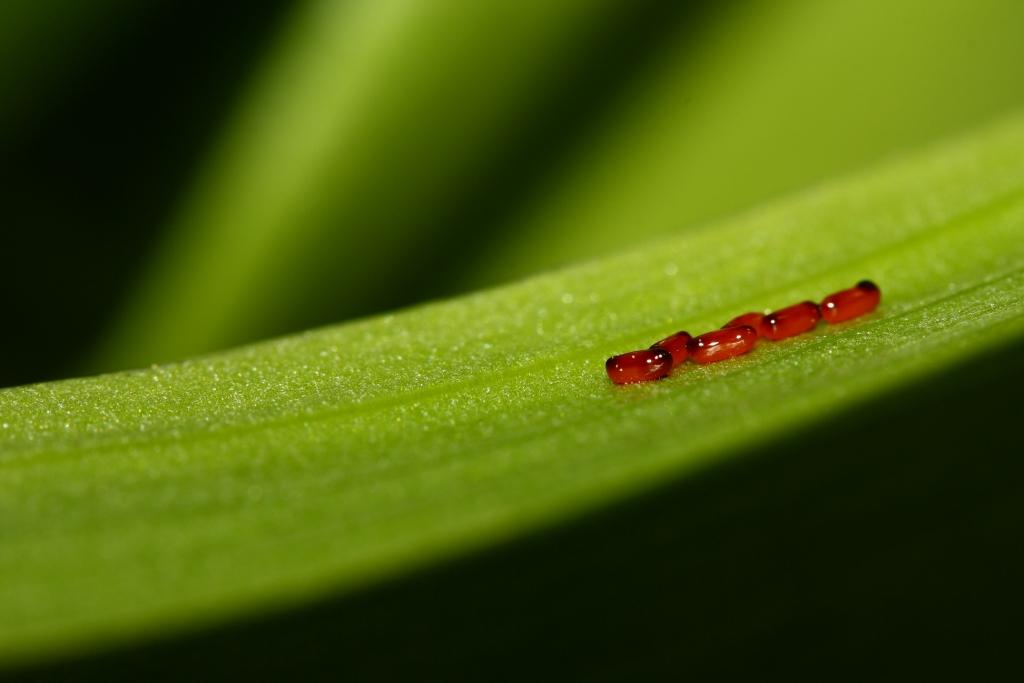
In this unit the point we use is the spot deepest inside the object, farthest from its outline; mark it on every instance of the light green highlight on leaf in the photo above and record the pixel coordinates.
(347, 140)
(781, 96)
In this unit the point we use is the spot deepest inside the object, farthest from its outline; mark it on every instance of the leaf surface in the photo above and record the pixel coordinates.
(166, 498)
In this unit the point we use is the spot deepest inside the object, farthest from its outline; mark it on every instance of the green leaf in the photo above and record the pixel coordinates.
(40, 40)
(780, 95)
(163, 499)
(347, 144)
(330, 182)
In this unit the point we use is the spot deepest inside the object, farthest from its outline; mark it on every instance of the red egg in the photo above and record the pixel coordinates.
(749, 319)
(676, 345)
(851, 303)
(639, 366)
(719, 345)
(790, 321)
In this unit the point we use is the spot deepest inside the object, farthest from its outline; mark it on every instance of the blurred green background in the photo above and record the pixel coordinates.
(180, 177)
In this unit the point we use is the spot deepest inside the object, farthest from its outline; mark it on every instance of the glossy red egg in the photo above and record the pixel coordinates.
(790, 321)
(676, 345)
(851, 303)
(639, 366)
(720, 345)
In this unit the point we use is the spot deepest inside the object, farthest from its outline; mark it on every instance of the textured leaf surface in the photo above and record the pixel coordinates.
(165, 498)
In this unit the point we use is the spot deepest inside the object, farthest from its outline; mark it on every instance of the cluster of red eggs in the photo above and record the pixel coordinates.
(739, 335)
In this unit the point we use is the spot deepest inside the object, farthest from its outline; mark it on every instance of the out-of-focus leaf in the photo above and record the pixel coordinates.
(109, 109)
(785, 94)
(320, 462)
(41, 38)
(364, 123)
